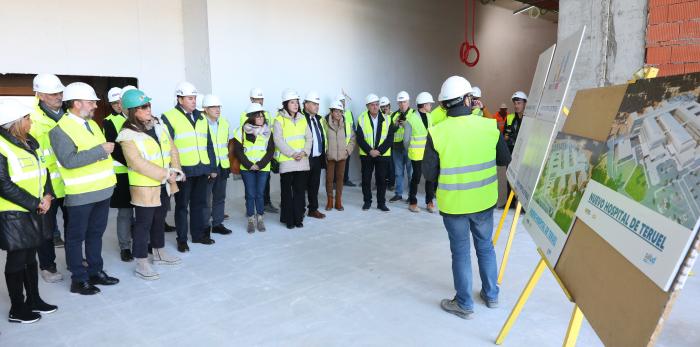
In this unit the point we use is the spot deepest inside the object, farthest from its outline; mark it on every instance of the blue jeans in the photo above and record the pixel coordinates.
(254, 182)
(86, 224)
(401, 163)
(480, 225)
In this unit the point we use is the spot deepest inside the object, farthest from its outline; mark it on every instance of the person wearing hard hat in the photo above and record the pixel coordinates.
(254, 148)
(415, 135)
(478, 106)
(219, 130)
(257, 97)
(193, 140)
(514, 120)
(385, 108)
(154, 168)
(399, 153)
(47, 112)
(293, 141)
(341, 141)
(461, 154)
(86, 167)
(121, 200)
(350, 119)
(26, 195)
(317, 157)
(501, 117)
(375, 135)
(503, 187)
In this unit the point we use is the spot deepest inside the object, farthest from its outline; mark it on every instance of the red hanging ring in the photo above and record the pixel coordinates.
(466, 46)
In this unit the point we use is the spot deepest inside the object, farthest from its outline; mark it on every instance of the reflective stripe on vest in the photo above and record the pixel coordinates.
(254, 151)
(191, 142)
(419, 136)
(468, 182)
(41, 125)
(365, 123)
(294, 135)
(158, 153)
(118, 121)
(221, 143)
(93, 177)
(25, 170)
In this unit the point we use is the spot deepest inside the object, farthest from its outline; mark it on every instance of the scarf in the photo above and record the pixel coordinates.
(255, 130)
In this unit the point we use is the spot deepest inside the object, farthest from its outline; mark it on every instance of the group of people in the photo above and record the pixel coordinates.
(55, 155)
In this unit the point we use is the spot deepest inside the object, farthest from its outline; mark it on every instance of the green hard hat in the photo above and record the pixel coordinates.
(134, 98)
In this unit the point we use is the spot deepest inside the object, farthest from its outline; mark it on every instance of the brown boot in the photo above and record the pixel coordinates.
(329, 203)
(339, 201)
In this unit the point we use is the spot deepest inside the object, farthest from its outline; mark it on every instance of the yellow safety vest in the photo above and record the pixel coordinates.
(157, 153)
(398, 134)
(191, 142)
(466, 147)
(254, 151)
(438, 115)
(221, 143)
(93, 177)
(118, 120)
(41, 126)
(365, 123)
(25, 170)
(419, 136)
(294, 135)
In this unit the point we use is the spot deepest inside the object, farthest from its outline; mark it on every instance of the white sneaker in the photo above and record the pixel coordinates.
(51, 277)
(144, 270)
(161, 257)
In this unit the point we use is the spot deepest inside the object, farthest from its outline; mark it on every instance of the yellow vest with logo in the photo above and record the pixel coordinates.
(466, 147)
(254, 151)
(365, 123)
(25, 170)
(419, 136)
(118, 120)
(93, 177)
(221, 143)
(294, 135)
(191, 142)
(41, 126)
(157, 153)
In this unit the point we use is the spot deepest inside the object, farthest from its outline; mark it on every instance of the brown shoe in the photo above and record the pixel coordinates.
(339, 201)
(329, 203)
(431, 207)
(413, 208)
(317, 214)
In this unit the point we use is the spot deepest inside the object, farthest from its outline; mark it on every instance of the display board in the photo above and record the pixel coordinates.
(537, 132)
(644, 194)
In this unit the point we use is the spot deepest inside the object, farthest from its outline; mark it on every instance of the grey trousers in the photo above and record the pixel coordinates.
(502, 186)
(125, 218)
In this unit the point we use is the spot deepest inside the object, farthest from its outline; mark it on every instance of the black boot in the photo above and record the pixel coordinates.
(19, 311)
(31, 286)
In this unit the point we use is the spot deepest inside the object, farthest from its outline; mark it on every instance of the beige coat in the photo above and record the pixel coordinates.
(336, 149)
(284, 148)
(146, 196)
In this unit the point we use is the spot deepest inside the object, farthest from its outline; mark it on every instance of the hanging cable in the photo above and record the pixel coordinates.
(467, 47)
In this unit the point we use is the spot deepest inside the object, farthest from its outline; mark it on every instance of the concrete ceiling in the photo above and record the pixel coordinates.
(543, 9)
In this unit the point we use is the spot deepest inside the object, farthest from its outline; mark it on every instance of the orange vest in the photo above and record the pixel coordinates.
(500, 121)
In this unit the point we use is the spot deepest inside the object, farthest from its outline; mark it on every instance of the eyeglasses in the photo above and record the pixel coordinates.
(26, 117)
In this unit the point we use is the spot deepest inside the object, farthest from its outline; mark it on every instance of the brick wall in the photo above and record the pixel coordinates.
(673, 36)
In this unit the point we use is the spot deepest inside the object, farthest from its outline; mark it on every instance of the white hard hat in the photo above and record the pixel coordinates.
(186, 89)
(257, 93)
(289, 94)
(313, 97)
(79, 91)
(114, 94)
(476, 92)
(211, 100)
(254, 107)
(402, 96)
(12, 110)
(127, 88)
(455, 87)
(47, 83)
(371, 98)
(340, 97)
(383, 101)
(337, 105)
(424, 98)
(519, 95)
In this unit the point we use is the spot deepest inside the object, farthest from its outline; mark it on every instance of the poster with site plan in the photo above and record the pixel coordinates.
(644, 193)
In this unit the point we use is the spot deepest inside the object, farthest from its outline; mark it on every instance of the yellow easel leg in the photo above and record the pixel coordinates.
(534, 278)
(574, 328)
(503, 217)
(509, 243)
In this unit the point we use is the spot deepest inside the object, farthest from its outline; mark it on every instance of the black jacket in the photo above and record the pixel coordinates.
(121, 198)
(20, 230)
(322, 157)
(382, 147)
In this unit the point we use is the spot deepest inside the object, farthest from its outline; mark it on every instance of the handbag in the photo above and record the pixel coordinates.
(232, 159)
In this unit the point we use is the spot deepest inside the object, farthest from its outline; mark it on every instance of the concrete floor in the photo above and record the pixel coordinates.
(356, 278)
